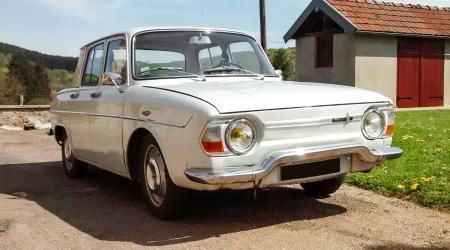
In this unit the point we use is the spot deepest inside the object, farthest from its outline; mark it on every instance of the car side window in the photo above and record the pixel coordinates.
(210, 57)
(93, 69)
(116, 59)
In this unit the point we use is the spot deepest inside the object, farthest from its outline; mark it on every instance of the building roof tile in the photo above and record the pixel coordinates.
(378, 16)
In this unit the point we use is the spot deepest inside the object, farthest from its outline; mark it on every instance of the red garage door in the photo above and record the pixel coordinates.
(420, 73)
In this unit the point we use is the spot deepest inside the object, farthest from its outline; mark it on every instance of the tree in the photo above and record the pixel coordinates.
(59, 79)
(34, 79)
(10, 90)
(4, 60)
(41, 83)
(21, 70)
(281, 60)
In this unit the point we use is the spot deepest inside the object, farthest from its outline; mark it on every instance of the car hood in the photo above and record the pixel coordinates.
(256, 95)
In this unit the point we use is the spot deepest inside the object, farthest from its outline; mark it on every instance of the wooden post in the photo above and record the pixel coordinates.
(262, 19)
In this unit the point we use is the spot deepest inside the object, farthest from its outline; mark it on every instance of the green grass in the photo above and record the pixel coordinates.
(422, 174)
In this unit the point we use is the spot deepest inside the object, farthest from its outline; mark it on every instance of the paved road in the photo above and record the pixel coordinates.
(42, 209)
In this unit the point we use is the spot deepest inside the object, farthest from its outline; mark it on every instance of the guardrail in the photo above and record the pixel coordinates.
(24, 108)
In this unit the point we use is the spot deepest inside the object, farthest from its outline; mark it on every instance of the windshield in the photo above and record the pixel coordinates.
(192, 53)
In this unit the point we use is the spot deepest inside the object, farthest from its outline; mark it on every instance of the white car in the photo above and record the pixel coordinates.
(180, 109)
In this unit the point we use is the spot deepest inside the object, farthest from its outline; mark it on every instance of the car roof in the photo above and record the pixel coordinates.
(133, 31)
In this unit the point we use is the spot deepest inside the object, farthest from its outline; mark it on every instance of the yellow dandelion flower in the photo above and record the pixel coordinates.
(400, 186)
(426, 179)
(414, 186)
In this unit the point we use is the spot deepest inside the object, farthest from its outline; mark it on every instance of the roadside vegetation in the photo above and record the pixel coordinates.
(284, 60)
(38, 77)
(422, 174)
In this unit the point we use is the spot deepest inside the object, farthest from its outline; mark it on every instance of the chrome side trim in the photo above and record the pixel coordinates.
(289, 157)
(122, 117)
(306, 122)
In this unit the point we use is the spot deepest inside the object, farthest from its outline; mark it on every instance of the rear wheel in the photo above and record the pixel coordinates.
(73, 167)
(323, 187)
(166, 200)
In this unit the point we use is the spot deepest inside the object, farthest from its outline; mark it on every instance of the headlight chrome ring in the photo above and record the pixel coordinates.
(240, 136)
(370, 129)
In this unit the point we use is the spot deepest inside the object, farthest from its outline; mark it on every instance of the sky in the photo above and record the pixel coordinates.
(61, 27)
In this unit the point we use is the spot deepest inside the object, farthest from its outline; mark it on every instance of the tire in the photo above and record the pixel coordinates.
(73, 167)
(323, 187)
(165, 199)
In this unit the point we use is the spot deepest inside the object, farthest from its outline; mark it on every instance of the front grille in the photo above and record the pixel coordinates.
(312, 169)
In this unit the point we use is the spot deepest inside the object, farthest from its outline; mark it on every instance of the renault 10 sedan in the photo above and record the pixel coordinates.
(180, 109)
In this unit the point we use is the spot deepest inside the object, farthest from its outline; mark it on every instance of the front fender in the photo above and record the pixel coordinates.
(175, 120)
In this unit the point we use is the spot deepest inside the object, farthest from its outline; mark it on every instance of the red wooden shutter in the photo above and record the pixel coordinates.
(432, 73)
(408, 82)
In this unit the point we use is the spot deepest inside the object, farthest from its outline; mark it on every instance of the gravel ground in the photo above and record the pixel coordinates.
(42, 209)
(17, 119)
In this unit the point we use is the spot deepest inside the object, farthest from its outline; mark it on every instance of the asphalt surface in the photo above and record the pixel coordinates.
(40, 208)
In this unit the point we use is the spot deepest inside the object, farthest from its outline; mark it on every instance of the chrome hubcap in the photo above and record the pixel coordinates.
(154, 175)
(68, 154)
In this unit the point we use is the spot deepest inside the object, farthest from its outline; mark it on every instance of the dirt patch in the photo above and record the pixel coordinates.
(4, 226)
(15, 119)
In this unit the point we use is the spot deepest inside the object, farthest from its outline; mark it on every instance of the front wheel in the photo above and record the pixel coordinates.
(73, 167)
(166, 200)
(323, 187)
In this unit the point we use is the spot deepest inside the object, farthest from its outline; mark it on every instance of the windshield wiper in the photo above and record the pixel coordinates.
(180, 70)
(231, 68)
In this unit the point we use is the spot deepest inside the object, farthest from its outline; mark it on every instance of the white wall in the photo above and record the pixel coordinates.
(447, 74)
(376, 64)
(343, 70)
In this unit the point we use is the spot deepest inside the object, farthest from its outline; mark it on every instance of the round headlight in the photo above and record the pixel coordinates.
(240, 136)
(373, 125)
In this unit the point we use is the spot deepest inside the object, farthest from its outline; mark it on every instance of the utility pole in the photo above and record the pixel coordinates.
(262, 20)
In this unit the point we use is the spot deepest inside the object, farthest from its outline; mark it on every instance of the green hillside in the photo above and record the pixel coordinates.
(36, 76)
(48, 61)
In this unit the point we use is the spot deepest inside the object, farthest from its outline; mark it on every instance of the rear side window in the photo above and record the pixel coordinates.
(93, 69)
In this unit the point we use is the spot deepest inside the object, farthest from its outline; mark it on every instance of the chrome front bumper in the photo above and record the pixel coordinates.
(290, 157)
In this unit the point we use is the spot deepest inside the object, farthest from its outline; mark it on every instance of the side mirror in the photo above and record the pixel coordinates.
(279, 72)
(112, 79)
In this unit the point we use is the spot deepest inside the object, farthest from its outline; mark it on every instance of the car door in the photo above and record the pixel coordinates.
(106, 125)
(82, 105)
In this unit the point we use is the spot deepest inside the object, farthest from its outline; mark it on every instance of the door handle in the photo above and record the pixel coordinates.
(75, 95)
(96, 94)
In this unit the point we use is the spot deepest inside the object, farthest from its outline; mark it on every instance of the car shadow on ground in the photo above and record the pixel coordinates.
(109, 207)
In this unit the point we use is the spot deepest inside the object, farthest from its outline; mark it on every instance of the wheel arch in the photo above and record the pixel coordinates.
(133, 148)
(60, 131)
